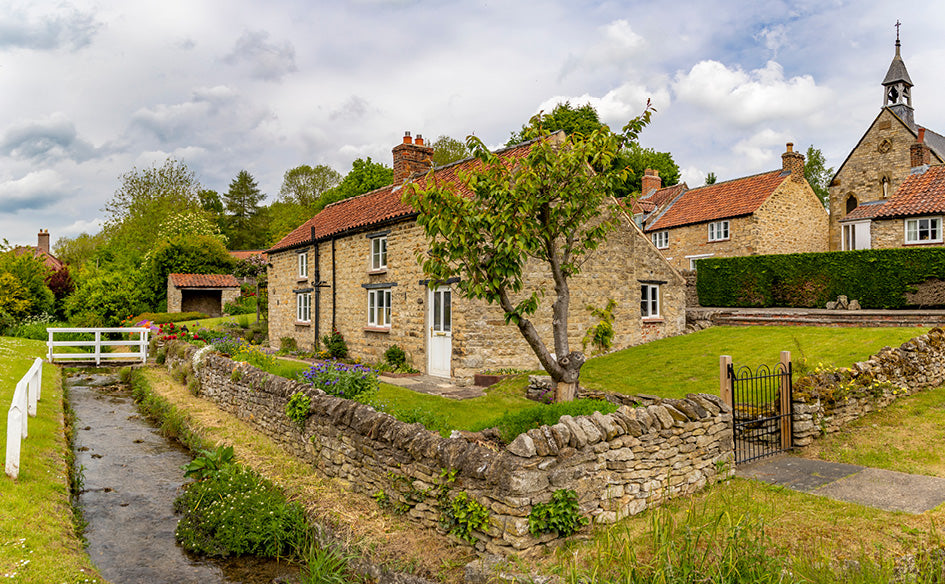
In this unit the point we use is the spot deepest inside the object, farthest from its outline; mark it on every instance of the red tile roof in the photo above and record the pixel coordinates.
(723, 200)
(866, 210)
(921, 193)
(203, 280)
(663, 195)
(381, 205)
(248, 253)
(51, 261)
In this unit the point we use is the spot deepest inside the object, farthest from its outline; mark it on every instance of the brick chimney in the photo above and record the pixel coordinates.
(793, 162)
(919, 153)
(43, 240)
(410, 157)
(651, 181)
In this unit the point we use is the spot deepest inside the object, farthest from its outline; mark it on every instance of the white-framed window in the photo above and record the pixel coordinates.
(660, 239)
(379, 307)
(718, 230)
(303, 307)
(692, 259)
(379, 253)
(649, 300)
(924, 230)
(303, 265)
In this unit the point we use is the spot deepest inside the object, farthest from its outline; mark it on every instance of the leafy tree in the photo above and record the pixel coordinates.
(554, 206)
(61, 285)
(142, 201)
(210, 202)
(710, 178)
(817, 174)
(31, 274)
(446, 150)
(242, 208)
(79, 249)
(189, 223)
(364, 176)
(284, 216)
(637, 159)
(305, 184)
(104, 299)
(582, 119)
(14, 297)
(185, 254)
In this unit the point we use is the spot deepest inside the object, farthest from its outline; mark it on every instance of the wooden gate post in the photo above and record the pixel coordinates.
(725, 382)
(785, 399)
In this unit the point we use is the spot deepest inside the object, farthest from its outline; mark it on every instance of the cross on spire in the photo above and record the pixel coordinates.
(898, 24)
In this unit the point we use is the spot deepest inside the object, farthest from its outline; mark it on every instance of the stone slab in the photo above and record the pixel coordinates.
(800, 474)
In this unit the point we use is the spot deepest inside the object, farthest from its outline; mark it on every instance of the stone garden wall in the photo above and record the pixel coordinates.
(619, 464)
(826, 401)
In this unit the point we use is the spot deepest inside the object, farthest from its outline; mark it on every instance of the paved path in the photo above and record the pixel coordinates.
(873, 487)
(434, 386)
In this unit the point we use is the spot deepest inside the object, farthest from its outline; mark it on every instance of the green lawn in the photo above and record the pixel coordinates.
(685, 364)
(37, 541)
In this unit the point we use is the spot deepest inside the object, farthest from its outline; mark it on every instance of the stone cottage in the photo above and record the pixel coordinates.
(879, 164)
(354, 267)
(769, 213)
(206, 293)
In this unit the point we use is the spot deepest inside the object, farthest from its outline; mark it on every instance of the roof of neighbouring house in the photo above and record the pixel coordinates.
(922, 192)
(203, 281)
(866, 210)
(245, 254)
(382, 205)
(51, 261)
(733, 198)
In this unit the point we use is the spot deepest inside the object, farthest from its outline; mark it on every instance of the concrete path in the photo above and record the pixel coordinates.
(434, 386)
(872, 487)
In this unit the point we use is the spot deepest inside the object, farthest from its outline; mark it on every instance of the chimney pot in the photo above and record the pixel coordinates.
(410, 158)
(42, 241)
(793, 162)
(921, 135)
(790, 147)
(419, 140)
(407, 138)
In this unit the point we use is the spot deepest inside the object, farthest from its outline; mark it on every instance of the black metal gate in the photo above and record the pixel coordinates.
(761, 404)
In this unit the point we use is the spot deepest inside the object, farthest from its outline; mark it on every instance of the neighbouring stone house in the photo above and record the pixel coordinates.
(206, 293)
(877, 167)
(769, 213)
(354, 267)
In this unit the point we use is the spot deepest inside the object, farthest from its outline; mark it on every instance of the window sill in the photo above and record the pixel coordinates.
(377, 272)
(303, 323)
(302, 279)
(718, 240)
(377, 329)
(929, 242)
(652, 320)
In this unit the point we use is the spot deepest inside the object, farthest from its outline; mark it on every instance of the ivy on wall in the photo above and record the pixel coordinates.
(877, 278)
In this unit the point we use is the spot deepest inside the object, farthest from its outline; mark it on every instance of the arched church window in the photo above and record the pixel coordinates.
(851, 203)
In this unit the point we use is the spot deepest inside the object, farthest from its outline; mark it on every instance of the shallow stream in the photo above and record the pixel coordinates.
(132, 475)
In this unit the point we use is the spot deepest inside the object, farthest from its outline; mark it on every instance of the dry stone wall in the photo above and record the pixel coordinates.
(826, 401)
(619, 464)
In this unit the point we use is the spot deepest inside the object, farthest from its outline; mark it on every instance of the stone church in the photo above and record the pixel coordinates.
(892, 149)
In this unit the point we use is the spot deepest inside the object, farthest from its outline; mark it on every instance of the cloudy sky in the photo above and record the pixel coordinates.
(92, 89)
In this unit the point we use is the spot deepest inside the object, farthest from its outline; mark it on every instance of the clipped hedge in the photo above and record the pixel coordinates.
(877, 278)
(166, 317)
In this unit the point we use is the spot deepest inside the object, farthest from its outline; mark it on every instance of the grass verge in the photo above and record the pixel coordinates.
(385, 539)
(38, 542)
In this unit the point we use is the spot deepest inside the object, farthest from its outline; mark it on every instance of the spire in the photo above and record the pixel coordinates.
(897, 86)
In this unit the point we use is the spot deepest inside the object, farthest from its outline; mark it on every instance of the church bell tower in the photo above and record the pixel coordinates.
(897, 88)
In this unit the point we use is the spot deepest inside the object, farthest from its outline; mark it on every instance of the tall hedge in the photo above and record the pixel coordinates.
(877, 278)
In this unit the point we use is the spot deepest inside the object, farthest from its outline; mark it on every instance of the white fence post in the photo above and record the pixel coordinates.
(14, 420)
(33, 378)
(98, 347)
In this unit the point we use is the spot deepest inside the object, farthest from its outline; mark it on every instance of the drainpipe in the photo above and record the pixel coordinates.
(318, 290)
(333, 287)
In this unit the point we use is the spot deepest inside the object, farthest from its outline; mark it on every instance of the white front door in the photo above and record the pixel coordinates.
(440, 327)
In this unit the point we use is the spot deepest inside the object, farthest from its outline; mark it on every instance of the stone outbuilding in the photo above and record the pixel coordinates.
(206, 293)
(876, 169)
(773, 212)
(354, 268)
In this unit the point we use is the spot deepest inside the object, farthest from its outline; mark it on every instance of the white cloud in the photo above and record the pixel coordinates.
(747, 98)
(618, 47)
(774, 37)
(83, 226)
(762, 149)
(616, 107)
(67, 28)
(36, 190)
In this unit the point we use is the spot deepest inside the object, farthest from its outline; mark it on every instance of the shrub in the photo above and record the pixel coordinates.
(288, 345)
(208, 462)
(234, 308)
(342, 380)
(877, 278)
(298, 408)
(562, 514)
(511, 425)
(464, 515)
(254, 355)
(601, 335)
(335, 344)
(227, 344)
(234, 511)
(395, 357)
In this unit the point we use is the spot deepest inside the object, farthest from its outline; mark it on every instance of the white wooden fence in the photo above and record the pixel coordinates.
(28, 391)
(97, 354)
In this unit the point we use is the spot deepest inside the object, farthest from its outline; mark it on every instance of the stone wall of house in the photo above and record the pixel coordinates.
(692, 292)
(891, 233)
(883, 151)
(824, 402)
(173, 297)
(792, 220)
(690, 240)
(480, 338)
(619, 464)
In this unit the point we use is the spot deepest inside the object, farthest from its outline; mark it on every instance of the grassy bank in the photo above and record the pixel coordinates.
(37, 537)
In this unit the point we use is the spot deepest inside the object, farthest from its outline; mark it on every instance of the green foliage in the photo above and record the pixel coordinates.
(208, 462)
(395, 357)
(601, 335)
(817, 174)
(447, 150)
(79, 249)
(512, 424)
(234, 511)
(106, 299)
(637, 159)
(164, 317)
(562, 515)
(711, 179)
(191, 222)
(304, 185)
(463, 516)
(326, 565)
(243, 213)
(342, 380)
(183, 254)
(34, 327)
(582, 119)
(29, 293)
(877, 278)
(335, 344)
(298, 408)
(288, 345)
(14, 299)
